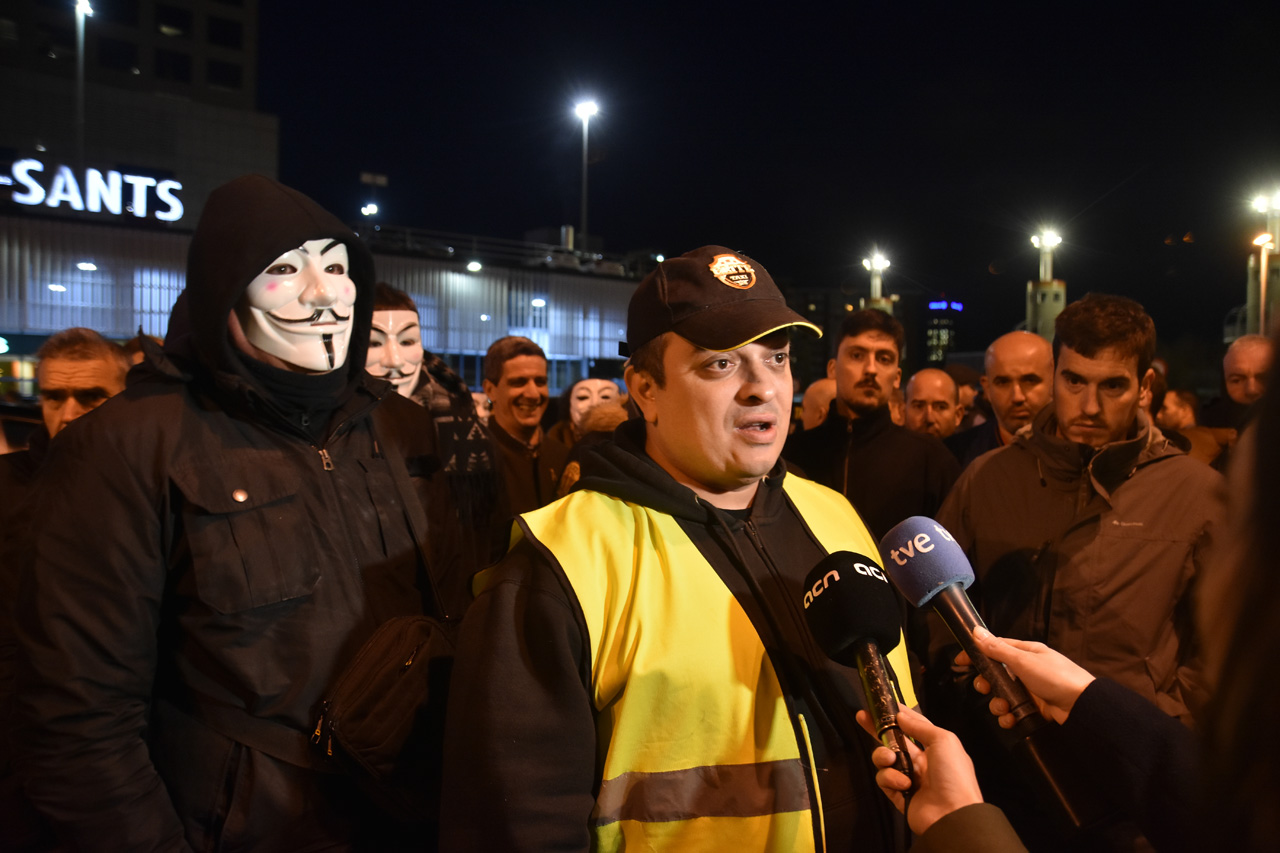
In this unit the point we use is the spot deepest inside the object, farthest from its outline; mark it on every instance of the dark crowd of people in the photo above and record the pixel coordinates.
(213, 537)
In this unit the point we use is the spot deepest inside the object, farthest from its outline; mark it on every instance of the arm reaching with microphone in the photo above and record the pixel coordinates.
(1054, 680)
(1152, 760)
(947, 795)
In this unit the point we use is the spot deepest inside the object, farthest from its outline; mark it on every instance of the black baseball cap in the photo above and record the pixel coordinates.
(713, 297)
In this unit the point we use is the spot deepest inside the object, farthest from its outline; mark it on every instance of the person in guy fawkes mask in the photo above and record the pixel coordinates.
(248, 513)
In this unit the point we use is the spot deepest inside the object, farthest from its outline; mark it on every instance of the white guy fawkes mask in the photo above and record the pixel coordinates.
(299, 309)
(395, 349)
(586, 394)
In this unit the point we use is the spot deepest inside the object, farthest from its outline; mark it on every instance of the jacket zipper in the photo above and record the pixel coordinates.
(325, 459)
(754, 535)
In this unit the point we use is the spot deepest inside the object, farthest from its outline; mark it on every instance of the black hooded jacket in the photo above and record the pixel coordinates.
(520, 755)
(208, 562)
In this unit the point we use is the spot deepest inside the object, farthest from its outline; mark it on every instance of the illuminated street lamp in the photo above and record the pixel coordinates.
(1046, 242)
(83, 10)
(584, 111)
(369, 209)
(876, 264)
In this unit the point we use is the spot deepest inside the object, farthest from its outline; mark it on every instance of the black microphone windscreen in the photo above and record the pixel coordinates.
(848, 598)
(922, 557)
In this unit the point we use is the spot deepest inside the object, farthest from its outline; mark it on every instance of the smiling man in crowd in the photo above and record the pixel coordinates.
(529, 462)
(637, 670)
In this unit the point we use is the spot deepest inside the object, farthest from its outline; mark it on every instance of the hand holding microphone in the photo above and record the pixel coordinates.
(944, 779)
(1055, 681)
(853, 616)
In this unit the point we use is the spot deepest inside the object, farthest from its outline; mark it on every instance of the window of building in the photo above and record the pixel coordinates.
(224, 75)
(172, 21)
(226, 33)
(117, 54)
(172, 65)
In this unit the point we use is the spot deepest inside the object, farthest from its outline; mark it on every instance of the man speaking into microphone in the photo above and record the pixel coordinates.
(637, 671)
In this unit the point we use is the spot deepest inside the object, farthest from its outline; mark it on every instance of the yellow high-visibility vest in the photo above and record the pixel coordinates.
(697, 746)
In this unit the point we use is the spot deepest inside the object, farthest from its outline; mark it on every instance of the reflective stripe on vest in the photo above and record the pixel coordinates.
(697, 744)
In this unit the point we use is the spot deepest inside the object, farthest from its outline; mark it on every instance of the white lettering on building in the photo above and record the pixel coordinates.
(103, 191)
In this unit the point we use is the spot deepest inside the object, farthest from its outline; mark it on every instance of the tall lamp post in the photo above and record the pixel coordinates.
(1264, 242)
(584, 111)
(1046, 242)
(876, 265)
(83, 10)
(1271, 207)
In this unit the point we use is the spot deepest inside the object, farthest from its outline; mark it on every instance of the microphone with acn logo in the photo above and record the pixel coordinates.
(929, 567)
(853, 614)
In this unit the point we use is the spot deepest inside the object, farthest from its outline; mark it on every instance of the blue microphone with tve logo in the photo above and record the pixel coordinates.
(853, 615)
(929, 567)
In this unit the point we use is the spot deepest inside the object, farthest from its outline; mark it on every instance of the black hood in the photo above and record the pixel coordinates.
(247, 224)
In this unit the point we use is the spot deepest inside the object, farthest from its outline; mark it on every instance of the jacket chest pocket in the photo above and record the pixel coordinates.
(249, 531)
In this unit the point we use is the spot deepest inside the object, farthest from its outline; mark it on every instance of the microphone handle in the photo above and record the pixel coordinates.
(953, 605)
(882, 704)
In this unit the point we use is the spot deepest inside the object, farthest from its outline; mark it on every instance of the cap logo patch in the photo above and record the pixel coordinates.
(733, 271)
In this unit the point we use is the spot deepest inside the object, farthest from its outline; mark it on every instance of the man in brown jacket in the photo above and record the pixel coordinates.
(1088, 531)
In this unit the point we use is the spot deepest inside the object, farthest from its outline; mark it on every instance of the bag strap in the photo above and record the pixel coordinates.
(281, 742)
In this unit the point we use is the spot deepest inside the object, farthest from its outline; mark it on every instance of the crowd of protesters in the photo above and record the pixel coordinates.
(197, 558)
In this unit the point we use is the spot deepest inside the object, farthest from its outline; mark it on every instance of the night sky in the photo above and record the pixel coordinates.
(944, 137)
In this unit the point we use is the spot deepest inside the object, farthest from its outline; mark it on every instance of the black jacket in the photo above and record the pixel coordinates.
(887, 472)
(208, 562)
(969, 444)
(520, 755)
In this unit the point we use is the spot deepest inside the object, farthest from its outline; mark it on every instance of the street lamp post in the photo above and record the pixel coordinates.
(584, 111)
(83, 10)
(876, 265)
(1263, 241)
(1271, 207)
(1046, 242)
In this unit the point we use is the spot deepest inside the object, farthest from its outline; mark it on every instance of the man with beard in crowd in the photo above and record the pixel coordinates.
(1087, 533)
(887, 472)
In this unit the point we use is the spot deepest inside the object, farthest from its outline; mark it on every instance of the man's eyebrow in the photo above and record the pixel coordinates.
(332, 243)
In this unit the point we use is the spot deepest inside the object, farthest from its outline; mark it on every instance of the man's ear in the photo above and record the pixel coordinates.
(488, 388)
(831, 369)
(897, 377)
(641, 387)
(1144, 387)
